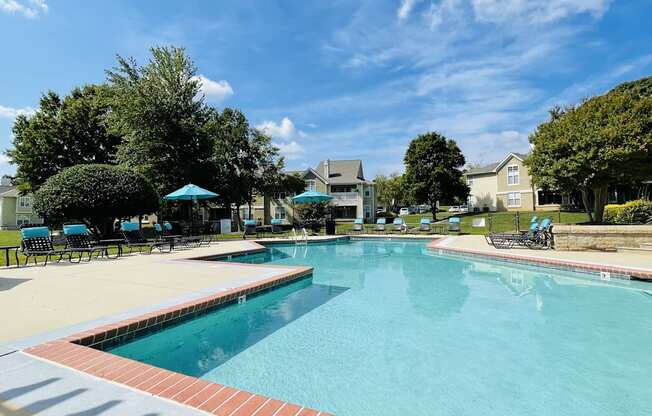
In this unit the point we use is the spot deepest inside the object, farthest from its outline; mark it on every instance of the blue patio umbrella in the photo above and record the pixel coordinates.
(309, 197)
(191, 193)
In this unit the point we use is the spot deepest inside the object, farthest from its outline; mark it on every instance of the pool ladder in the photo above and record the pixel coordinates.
(300, 239)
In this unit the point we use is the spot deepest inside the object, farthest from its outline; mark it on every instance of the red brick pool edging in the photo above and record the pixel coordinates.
(83, 352)
(550, 262)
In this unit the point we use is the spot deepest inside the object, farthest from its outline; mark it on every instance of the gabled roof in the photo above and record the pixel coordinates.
(343, 171)
(494, 167)
(8, 190)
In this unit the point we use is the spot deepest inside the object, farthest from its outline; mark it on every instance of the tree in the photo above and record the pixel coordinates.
(246, 162)
(62, 133)
(391, 191)
(433, 172)
(607, 140)
(310, 212)
(96, 195)
(159, 111)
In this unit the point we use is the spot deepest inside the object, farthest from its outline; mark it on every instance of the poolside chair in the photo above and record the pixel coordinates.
(424, 225)
(134, 239)
(249, 228)
(36, 241)
(277, 226)
(78, 239)
(358, 225)
(539, 236)
(398, 225)
(454, 224)
(380, 225)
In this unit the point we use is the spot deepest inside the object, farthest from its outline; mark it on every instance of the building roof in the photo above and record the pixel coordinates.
(493, 167)
(8, 190)
(342, 171)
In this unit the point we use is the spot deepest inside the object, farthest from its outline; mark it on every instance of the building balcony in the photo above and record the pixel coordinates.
(346, 198)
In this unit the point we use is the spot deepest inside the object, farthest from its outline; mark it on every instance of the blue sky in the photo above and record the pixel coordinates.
(344, 79)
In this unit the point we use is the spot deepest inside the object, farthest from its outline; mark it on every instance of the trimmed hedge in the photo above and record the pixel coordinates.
(632, 212)
(96, 194)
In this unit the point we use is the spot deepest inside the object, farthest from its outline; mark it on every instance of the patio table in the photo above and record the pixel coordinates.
(6, 249)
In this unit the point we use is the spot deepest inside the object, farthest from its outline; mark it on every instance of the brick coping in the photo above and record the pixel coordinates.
(637, 274)
(83, 352)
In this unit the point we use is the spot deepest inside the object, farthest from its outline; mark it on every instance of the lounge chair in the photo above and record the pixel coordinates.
(249, 228)
(358, 225)
(36, 241)
(380, 225)
(134, 239)
(454, 224)
(277, 226)
(78, 239)
(537, 237)
(424, 225)
(398, 225)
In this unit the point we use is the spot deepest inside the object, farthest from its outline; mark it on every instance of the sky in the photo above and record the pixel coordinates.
(344, 79)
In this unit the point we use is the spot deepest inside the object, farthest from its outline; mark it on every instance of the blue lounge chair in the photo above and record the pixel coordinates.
(398, 224)
(539, 236)
(78, 239)
(249, 228)
(358, 225)
(424, 225)
(36, 241)
(454, 224)
(380, 225)
(277, 226)
(134, 239)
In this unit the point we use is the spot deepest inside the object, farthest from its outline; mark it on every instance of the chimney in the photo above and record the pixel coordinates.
(327, 169)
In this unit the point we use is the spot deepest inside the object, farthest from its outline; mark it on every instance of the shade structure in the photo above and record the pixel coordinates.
(309, 197)
(190, 192)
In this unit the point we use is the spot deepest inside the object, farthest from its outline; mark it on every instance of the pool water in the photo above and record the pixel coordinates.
(389, 328)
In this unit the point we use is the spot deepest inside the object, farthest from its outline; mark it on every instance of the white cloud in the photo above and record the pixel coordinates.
(291, 150)
(405, 9)
(536, 11)
(30, 9)
(214, 90)
(9, 112)
(283, 130)
(4, 159)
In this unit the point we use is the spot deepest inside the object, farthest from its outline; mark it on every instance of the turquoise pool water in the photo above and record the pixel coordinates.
(387, 328)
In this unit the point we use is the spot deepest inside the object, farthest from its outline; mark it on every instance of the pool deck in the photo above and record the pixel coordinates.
(632, 264)
(55, 313)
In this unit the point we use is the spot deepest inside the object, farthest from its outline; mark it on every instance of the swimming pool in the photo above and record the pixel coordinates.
(389, 328)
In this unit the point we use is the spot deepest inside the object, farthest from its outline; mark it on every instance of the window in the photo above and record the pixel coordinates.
(343, 188)
(512, 175)
(279, 213)
(546, 198)
(311, 185)
(367, 192)
(24, 201)
(22, 220)
(280, 195)
(514, 199)
(367, 212)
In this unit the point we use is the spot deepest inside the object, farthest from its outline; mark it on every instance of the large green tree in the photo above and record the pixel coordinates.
(245, 161)
(96, 195)
(159, 111)
(606, 140)
(391, 191)
(62, 133)
(433, 170)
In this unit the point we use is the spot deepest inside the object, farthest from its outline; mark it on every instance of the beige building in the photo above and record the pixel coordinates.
(15, 209)
(507, 186)
(353, 195)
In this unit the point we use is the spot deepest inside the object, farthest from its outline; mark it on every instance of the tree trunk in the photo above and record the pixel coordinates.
(587, 203)
(601, 194)
(433, 208)
(237, 216)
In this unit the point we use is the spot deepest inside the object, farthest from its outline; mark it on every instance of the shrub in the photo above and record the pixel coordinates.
(312, 211)
(95, 194)
(632, 212)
